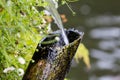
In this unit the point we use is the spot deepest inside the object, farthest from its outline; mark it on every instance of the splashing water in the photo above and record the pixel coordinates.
(51, 8)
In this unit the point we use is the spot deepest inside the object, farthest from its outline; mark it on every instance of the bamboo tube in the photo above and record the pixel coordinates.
(52, 59)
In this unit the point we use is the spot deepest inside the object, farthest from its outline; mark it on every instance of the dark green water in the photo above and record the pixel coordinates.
(100, 20)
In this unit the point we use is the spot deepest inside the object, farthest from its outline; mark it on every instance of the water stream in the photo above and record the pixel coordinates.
(51, 8)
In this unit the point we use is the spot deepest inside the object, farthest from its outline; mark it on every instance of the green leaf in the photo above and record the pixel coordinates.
(66, 79)
(82, 52)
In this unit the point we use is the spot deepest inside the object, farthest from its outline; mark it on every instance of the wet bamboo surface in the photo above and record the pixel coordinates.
(52, 58)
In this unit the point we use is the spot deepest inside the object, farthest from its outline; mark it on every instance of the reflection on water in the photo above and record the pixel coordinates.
(107, 54)
(108, 51)
(108, 44)
(106, 33)
(107, 77)
(103, 20)
(102, 37)
(110, 78)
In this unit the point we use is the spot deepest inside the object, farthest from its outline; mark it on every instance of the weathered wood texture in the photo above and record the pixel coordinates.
(52, 58)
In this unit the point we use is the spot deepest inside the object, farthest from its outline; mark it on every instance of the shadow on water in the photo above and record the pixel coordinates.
(100, 20)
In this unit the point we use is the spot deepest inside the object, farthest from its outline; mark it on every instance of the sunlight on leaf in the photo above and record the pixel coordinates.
(66, 79)
(82, 52)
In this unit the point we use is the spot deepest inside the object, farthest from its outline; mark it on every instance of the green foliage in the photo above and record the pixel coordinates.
(20, 25)
(82, 52)
(19, 35)
(69, 1)
(66, 2)
(66, 79)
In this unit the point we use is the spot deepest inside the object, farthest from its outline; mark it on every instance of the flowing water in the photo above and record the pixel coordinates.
(51, 8)
(100, 21)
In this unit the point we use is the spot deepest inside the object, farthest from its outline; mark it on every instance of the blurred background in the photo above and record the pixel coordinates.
(100, 20)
